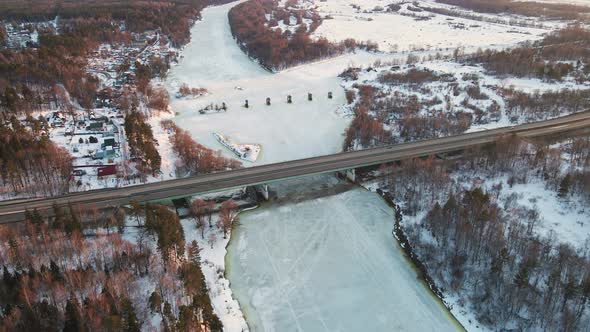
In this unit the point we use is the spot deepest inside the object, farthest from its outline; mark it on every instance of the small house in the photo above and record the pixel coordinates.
(109, 142)
(95, 126)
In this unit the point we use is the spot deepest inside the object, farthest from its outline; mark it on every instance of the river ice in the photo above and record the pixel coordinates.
(328, 264)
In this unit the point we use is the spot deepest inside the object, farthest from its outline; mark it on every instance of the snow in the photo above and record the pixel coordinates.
(212, 53)
(324, 264)
(463, 77)
(328, 264)
(248, 152)
(213, 267)
(400, 32)
(571, 2)
(286, 131)
(169, 158)
(569, 221)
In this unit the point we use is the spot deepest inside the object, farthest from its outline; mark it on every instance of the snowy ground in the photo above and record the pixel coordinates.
(248, 152)
(302, 129)
(328, 264)
(285, 131)
(568, 219)
(394, 31)
(571, 2)
(459, 77)
(213, 265)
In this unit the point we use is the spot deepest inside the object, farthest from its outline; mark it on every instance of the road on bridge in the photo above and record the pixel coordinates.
(13, 210)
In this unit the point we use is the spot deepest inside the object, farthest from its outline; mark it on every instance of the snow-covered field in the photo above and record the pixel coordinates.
(304, 128)
(394, 31)
(449, 93)
(328, 264)
(567, 219)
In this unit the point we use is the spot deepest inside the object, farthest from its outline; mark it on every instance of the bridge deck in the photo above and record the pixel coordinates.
(13, 210)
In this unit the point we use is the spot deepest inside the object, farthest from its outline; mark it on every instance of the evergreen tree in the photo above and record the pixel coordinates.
(155, 302)
(55, 271)
(41, 316)
(58, 217)
(521, 280)
(564, 186)
(130, 321)
(71, 222)
(194, 252)
(73, 319)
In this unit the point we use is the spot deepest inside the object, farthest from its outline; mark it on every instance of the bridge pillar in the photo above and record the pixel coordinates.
(262, 189)
(351, 175)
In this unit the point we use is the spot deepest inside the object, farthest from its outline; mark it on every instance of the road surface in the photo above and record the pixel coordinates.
(13, 210)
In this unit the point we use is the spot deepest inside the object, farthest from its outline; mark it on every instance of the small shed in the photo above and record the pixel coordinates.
(108, 142)
(107, 170)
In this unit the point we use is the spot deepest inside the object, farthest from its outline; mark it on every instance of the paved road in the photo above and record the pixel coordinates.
(11, 211)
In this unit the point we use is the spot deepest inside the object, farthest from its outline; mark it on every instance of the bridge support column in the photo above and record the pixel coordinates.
(351, 175)
(263, 190)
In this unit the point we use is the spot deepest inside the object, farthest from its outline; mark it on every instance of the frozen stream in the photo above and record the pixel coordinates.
(322, 257)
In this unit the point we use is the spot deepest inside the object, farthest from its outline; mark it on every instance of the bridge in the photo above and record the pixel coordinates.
(13, 210)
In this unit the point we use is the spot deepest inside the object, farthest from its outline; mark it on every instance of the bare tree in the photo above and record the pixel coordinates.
(227, 215)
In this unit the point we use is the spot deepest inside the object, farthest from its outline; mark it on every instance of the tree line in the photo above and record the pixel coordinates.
(173, 17)
(142, 144)
(30, 163)
(559, 54)
(276, 49)
(486, 248)
(534, 9)
(195, 158)
(386, 114)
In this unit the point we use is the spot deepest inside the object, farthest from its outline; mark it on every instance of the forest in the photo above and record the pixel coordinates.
(30, 163)
(478, 243)
(559, 54)
(373, 108)
(83, 25)
(382, 118)
(526, 8)
(78, 271)
(173, 17)
(276, 49)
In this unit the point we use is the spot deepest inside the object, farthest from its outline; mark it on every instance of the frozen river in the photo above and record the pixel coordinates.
(322, 258)
(214, 61)
(285, 131)
(328, 264)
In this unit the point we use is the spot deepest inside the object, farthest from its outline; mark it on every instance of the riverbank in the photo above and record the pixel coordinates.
(213, 253)
(464, 318)
(402, 240)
